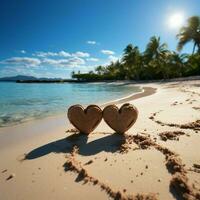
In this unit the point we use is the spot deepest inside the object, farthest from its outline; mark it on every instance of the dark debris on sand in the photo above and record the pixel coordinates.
(73, 130)
(195, 168)
(179, 184)
(171, 135)
(196, 108)
(10, 177)
(89, 162)
(192, 125)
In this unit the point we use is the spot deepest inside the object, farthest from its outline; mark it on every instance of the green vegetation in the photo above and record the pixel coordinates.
(156, 62)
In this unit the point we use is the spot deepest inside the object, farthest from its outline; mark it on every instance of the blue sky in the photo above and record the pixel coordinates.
(50, 38)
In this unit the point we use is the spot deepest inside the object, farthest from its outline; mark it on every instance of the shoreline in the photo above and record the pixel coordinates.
(147, 91)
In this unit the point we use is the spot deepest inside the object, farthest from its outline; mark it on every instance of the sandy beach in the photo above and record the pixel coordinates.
(158, 158)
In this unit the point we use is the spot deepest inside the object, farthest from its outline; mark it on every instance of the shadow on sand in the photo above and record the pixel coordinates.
(108, 143)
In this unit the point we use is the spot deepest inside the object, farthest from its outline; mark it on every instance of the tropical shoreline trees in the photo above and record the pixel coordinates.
(156, 62)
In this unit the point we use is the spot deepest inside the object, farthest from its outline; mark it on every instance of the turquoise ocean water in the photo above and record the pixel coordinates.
(24, 102)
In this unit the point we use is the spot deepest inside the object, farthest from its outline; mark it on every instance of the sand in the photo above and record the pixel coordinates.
(158, 158)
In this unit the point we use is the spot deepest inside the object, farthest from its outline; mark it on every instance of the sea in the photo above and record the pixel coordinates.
(21, 102)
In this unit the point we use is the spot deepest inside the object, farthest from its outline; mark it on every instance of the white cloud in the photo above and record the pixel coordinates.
(48, 61)
(71, 62)
(52, 54)
(61, 54)
(91, 42)
(54, 59)
(36, 62)
(64, 54)
(23, 51)
(113, 58)
(45, 54)
(26, 61)
(81, 54)
(92, 59)
(107, 52)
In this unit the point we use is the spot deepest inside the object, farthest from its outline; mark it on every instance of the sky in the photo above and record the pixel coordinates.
(52, 38)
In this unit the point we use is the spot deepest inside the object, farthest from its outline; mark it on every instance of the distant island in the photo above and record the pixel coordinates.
(18, 77)
(32, 79)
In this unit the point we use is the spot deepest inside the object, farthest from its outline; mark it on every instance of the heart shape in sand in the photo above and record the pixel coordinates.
(85, 120)
(121, 119)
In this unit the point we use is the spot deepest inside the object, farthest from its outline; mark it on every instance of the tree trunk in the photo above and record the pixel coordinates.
(194, 48)
(199, 48)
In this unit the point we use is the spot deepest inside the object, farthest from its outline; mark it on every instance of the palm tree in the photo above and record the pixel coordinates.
(155, 58)
(100, 70)
(178, 58)
(72, 74)
(121, 70)
(193, 65)
(190, 33)
(154, 49)
(131, 60)
(175, 64)
(130, 53)
(111, 69)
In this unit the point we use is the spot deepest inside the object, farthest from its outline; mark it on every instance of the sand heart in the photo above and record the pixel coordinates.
(121, 119)
(85, 120)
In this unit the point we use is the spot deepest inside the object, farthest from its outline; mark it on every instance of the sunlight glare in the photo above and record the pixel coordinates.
(176, 20)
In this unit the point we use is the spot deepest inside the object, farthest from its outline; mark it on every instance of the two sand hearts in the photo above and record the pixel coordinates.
(86, 120)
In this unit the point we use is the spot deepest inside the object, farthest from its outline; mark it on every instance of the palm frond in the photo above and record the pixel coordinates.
(188, 33)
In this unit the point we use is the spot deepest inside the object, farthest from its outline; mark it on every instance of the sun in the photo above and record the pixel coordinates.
(176, 20)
